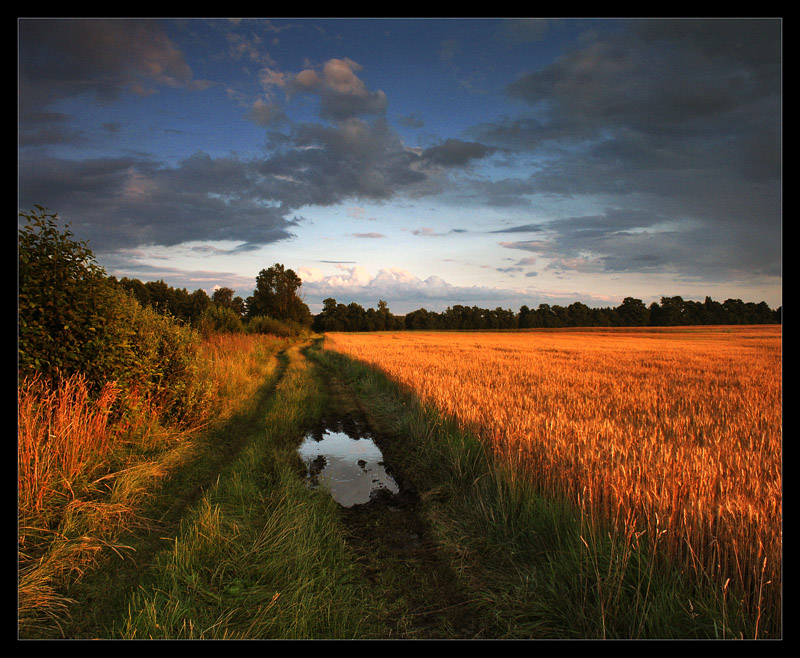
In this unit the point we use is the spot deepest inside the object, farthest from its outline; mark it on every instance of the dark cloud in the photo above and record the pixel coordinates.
(679, 121)
(61, 58)
(630, 241)
(200, 199)
(221, 198)
(522, 228)
(322, 164)
(455, 153)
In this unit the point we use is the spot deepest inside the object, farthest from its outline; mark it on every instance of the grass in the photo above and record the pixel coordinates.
(260, 555)
(88, 465)
(132, 529)
(587, 428)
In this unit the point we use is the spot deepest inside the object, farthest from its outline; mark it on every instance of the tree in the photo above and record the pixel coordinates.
(275, 296)
(633, 313)
(63, 298)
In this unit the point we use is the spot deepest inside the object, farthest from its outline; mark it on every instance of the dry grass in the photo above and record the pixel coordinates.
(671, 435)
(85, 462)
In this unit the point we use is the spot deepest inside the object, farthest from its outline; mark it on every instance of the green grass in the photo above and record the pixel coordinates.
(536, 567)
(260, 555)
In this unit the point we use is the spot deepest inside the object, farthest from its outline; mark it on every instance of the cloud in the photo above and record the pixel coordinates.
(679, 122)
(254, 201)
(622, 240)
(342, 93)
(226, 198)
(202, 198)
(455, 153)
(522, 228)
(61, 58)
(403, 290)
(265, 114)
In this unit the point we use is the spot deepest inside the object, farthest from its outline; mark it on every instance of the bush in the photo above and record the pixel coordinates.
(74, 320)
(262, 324)
(63, 300)
(220, 319)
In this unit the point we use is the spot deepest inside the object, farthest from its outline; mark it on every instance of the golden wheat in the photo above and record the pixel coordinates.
(674, 434)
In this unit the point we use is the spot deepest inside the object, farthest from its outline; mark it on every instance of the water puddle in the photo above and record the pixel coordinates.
(345, 459)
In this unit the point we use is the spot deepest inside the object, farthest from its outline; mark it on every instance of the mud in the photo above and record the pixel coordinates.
(390, 536)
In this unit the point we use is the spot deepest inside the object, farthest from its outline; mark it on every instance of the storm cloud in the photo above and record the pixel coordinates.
(631, 146)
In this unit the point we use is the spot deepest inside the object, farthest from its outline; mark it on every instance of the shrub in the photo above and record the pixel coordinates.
(74, 320)
(262, 324)
(63, 300)
(220, 319)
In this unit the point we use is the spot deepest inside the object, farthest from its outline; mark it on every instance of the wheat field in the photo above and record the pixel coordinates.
(669, 435)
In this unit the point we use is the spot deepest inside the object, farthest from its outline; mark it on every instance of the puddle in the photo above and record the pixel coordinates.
(347, 461)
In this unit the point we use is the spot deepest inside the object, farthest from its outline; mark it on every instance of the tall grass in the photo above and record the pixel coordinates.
(667, 440)
(86, 461)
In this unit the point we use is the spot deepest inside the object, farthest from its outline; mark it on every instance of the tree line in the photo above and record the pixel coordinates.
(67, 304)
(671, 311)
(276, 296)
(274, 307)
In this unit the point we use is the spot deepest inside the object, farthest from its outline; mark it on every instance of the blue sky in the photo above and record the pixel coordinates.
(424, 162)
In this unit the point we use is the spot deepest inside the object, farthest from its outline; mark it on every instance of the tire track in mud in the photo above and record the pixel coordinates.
(392, 541)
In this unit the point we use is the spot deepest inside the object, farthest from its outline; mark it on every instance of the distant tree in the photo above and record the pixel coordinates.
(579, 315)
(198, 302)
(422, 319)
(276, 296)
(223, 297)
(633, 313)
(671, 312)
(715, 311)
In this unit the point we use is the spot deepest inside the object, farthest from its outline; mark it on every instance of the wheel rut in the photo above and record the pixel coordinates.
(393, 542)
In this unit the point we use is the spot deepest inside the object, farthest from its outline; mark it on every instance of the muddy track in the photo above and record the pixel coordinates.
(392, 541)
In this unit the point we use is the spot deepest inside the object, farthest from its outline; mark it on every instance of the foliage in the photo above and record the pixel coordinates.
(64, 300)
(220, 319)
(177, 303)
(672, 311)
(353, 317)
(262, 324)
(276, 296)
(73, 320)
(225, 297)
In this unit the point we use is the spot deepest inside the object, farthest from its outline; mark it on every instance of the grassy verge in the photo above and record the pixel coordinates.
(536, 566)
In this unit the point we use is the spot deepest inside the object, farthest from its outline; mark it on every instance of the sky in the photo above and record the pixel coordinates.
(423, 162)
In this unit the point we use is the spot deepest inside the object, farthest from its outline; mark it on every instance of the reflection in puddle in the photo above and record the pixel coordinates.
(350, 467)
